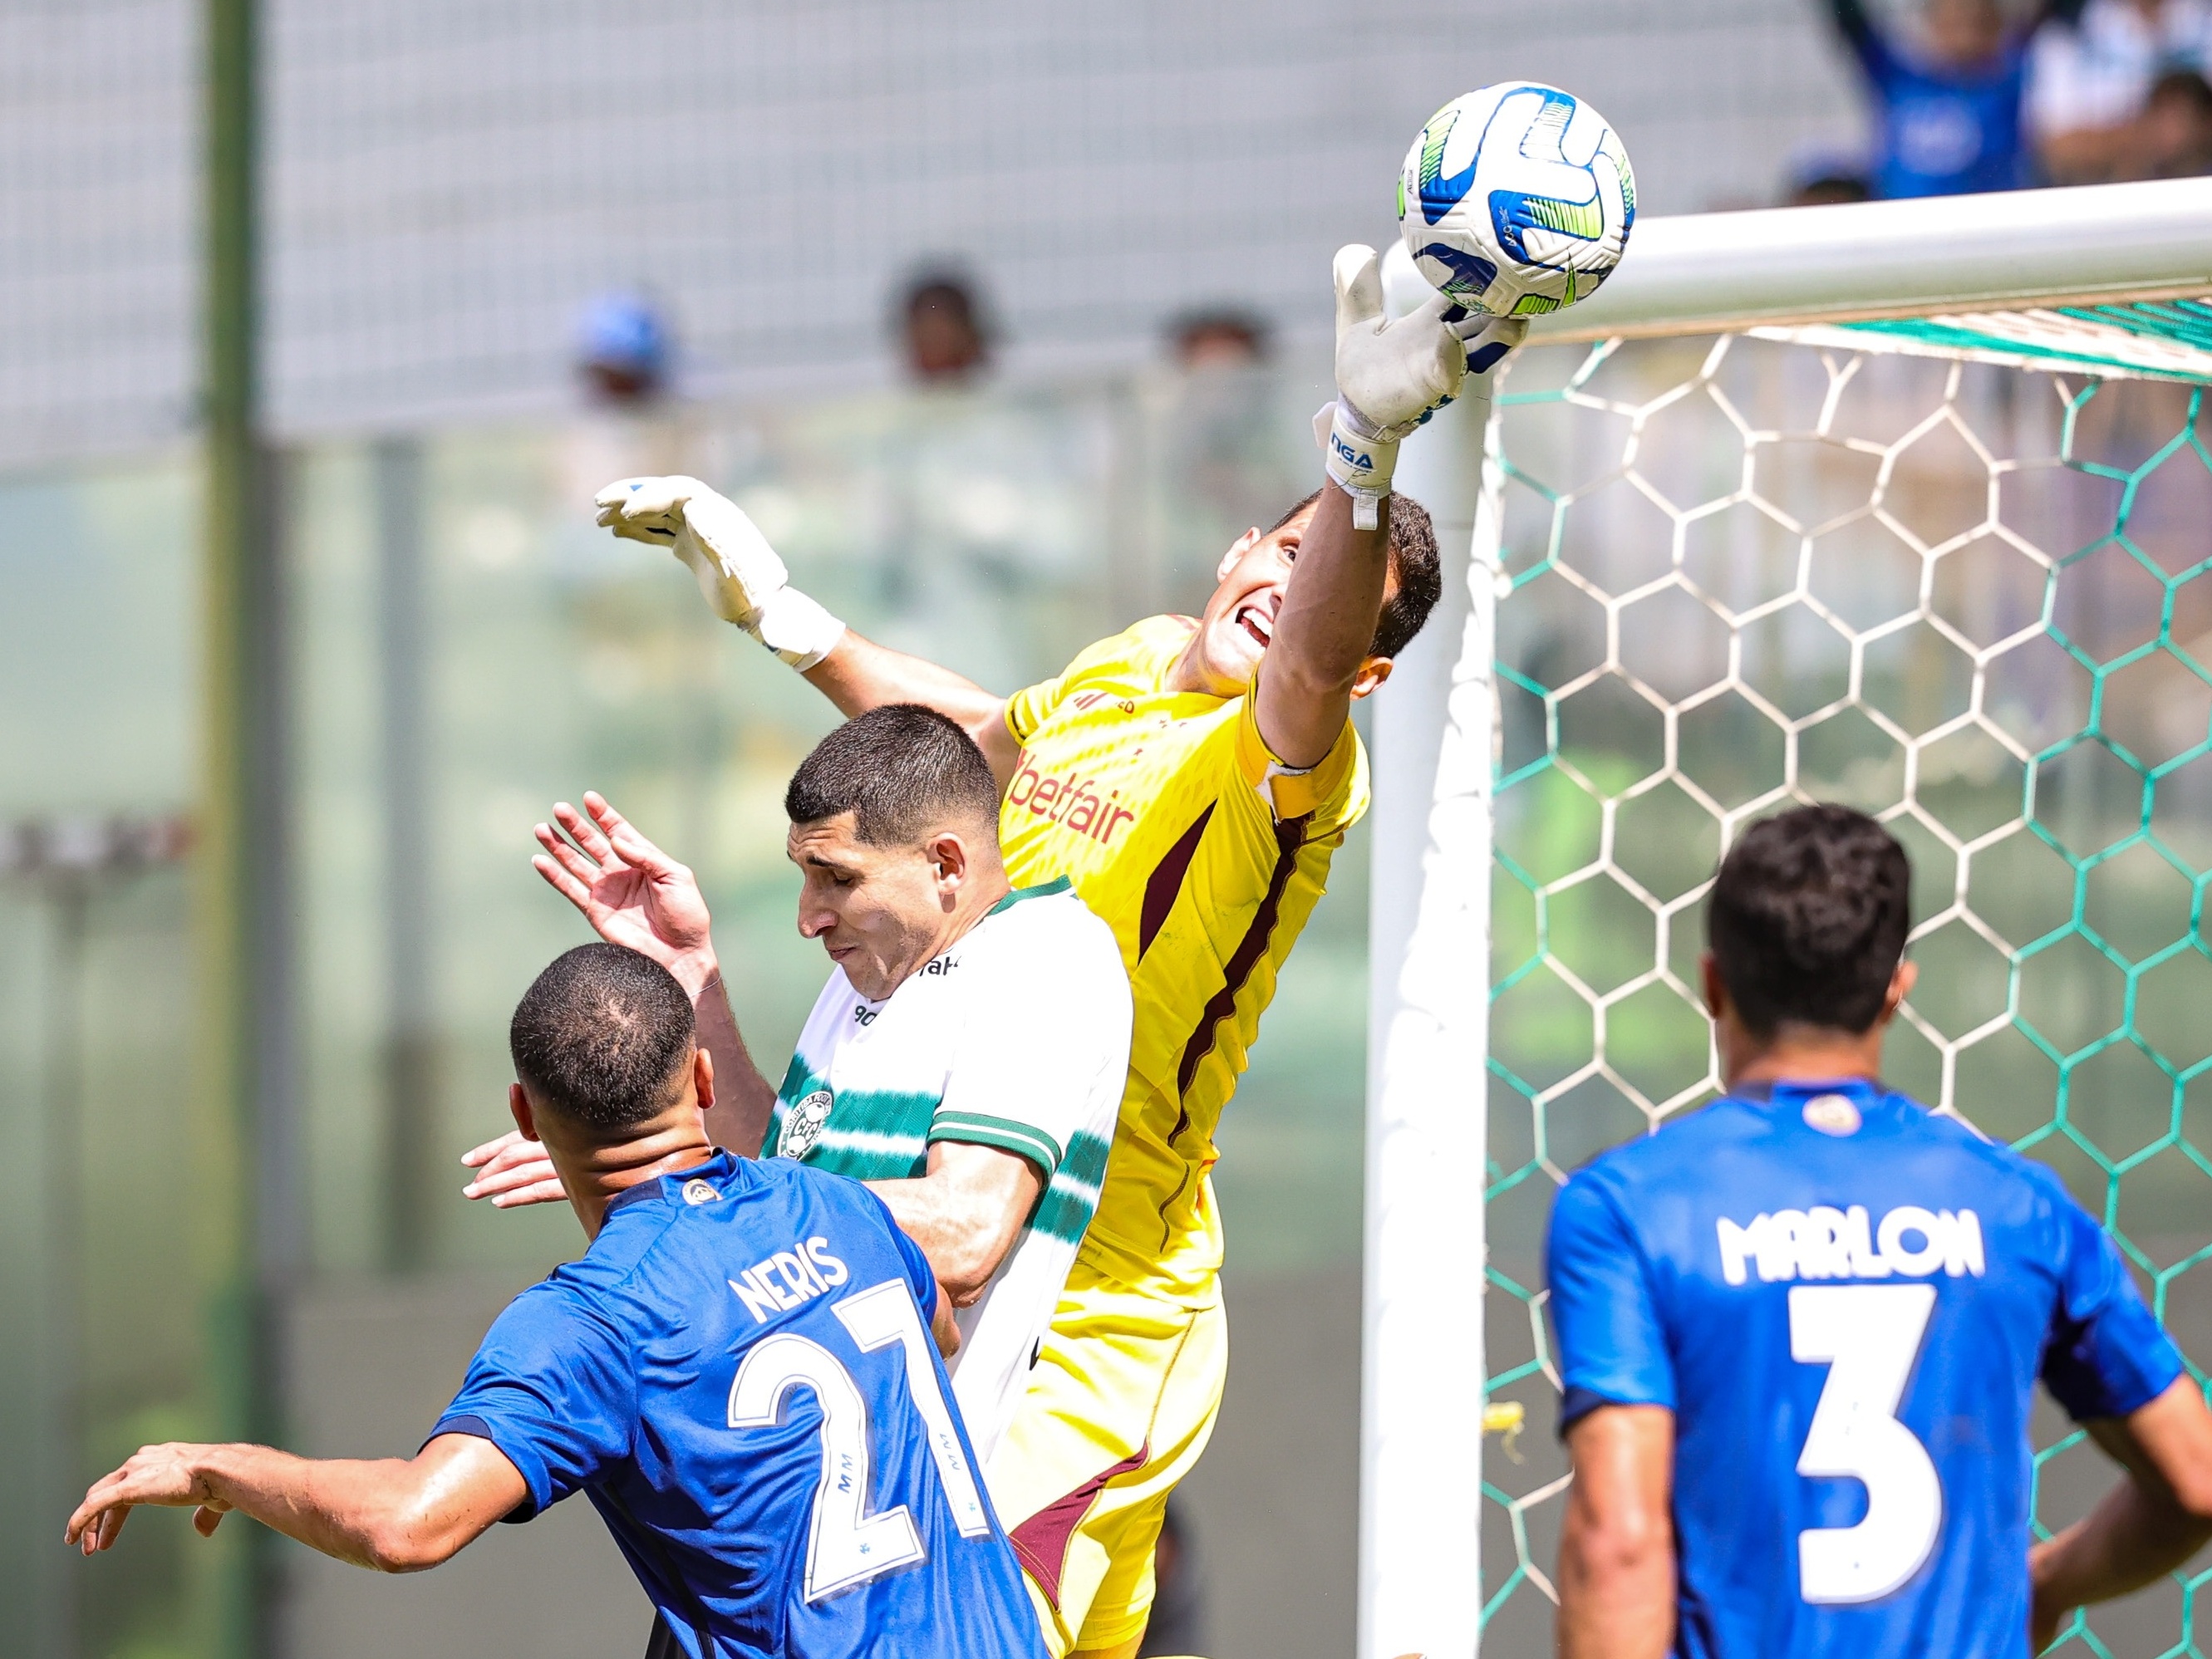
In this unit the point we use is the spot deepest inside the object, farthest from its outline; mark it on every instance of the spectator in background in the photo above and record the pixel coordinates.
(621, 350)
(1824, 180)
(2175, 133)
(2089, 81)
(1222, 339)
(1947, 104)
(942, 329)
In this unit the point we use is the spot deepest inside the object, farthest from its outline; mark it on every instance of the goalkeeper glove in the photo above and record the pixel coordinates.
(1392, 376)
(738, 571)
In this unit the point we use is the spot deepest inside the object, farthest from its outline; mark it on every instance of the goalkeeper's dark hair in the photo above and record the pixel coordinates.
(1418, 572)
(901, 770)
(1807, 919)
(602, 1037)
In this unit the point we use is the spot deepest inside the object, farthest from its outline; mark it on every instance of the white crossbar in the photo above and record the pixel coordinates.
(1718, 273)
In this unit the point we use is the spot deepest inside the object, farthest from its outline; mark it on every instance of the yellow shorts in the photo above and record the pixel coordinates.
(1120, 1405)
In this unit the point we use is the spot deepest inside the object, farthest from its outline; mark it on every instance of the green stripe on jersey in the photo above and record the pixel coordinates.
(1072, 1197)
(871, 1135)
(1024, 1139)
(866, 1156)
(1057, 885)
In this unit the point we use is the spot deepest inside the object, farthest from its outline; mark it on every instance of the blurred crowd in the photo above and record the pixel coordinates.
(1972, 95)
(940, 326)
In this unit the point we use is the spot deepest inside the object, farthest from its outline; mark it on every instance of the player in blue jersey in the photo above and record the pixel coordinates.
(1947, 104)
(739, 1373)
(1799, 1330)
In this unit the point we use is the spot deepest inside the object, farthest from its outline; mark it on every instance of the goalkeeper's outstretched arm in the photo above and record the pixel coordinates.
(746, 582)
(1391, 375)
(859, 675)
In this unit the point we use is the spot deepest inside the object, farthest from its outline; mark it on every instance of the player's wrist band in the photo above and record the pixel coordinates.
(796, 629)
(1358, 462)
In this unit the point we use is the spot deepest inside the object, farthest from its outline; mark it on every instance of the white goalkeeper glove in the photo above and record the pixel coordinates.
(1392, 376)
(738, 571)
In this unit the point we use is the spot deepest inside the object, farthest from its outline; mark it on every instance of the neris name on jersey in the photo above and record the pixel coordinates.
(789, 1278)
(1827, 1243)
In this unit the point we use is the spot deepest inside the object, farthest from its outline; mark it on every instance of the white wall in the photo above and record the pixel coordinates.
(451, 179)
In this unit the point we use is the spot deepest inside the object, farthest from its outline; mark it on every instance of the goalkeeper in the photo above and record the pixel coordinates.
(1193, 777)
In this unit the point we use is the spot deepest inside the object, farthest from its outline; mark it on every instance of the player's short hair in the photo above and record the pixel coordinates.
(901, 770)
(602, 1037)
(1808, 918)
(1413, 562)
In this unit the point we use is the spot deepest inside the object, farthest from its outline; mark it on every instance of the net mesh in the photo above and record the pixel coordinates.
(1737, 573)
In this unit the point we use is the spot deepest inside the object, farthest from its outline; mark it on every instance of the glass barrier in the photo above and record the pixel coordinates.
(468, 647)
(108, 1258)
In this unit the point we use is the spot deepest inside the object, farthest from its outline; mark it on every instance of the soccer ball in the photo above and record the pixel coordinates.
(1516, 199)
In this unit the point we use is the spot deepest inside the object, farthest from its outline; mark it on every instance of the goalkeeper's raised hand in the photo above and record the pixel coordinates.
(738, 571)
(1393, 375)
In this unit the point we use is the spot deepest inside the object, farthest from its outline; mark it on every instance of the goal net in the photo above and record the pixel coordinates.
(1906, 506)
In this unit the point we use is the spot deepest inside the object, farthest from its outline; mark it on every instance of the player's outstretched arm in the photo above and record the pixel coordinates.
(393, 1514)
(2157, 1518)
(1390, 377)
(859, 674)
(965, 1211)
(749, 588)
(1616, 1578)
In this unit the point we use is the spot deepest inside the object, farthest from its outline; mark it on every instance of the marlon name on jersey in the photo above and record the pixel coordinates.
(1826, 1243)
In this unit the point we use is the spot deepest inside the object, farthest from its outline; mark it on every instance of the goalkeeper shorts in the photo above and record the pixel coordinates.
(1120, 1403)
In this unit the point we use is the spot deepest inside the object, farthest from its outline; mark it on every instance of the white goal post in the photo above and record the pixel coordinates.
(2099, 283)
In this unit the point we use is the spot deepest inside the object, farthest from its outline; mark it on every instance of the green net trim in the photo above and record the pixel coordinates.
(2166, 339)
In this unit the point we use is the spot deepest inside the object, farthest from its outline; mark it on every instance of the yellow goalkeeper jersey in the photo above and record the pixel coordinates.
(1205, 854)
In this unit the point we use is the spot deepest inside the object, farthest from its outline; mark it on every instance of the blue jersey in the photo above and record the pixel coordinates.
(740, 1372)
(1942, 129)
(1845, 1301)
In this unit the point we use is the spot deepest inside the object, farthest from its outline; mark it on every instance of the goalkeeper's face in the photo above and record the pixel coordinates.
(1238, 623)
(882, 912)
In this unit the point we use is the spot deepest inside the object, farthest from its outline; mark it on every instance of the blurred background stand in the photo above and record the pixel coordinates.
(68, 865)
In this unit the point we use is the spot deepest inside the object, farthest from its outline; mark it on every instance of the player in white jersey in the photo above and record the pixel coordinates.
(965, 1058)
(1016, 1037)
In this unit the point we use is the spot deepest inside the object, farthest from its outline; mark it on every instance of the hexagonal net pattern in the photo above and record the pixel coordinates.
(1737, 574)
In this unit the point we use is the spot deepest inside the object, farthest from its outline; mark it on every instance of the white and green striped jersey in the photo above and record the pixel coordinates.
(1016, 1037)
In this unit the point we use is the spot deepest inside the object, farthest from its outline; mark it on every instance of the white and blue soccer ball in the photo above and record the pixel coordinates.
(1516, 199)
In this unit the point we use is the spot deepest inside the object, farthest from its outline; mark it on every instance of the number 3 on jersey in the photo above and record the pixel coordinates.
(1869, 1335)
(846, 1544)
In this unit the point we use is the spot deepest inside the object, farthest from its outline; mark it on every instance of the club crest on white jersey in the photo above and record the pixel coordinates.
(803, 1124)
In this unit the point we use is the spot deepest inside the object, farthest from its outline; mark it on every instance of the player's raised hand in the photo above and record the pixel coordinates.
(1396, 373)
(631, 892)
(736, 567)
(514, 1171)
(1391, 375)
(741, 576)
(166, 1475)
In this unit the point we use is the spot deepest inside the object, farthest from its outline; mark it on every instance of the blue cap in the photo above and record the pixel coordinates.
(624, 330)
